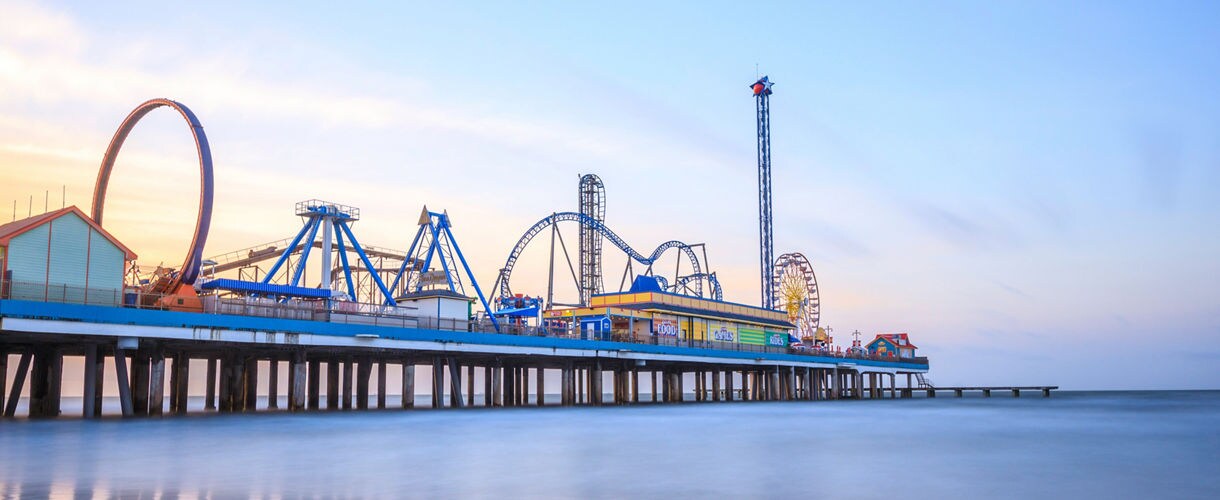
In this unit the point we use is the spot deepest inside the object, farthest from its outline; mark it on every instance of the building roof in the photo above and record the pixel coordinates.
(900, 340)
(16, 228)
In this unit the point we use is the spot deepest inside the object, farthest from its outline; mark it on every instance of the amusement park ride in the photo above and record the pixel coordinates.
(434, 260)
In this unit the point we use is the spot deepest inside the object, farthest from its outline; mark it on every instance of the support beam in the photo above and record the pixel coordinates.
(488, 393)
(510, 387)
(88, 388)
(314, 396)
(250, 376)
(45, 382)
(156, 383)
(347, 384)
(470, 385)
(225, 395)
(497, 387)
(541, 386)
(3, 376)
(209, 394)
(364, 371)
(408, 384)
(438, 382)
(120, 373)
(140, 370)
(333, 367)
(381, 385)
(298, 379)
(455, 383)
(273, 384)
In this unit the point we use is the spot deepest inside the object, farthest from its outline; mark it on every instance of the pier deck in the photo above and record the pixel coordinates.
(151, 353)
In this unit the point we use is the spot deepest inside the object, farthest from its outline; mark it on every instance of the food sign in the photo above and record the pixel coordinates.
(666, 328)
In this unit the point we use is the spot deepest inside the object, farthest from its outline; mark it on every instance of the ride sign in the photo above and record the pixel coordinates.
(776, 339)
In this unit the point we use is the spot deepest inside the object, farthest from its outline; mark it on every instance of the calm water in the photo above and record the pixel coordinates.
(1074, 445)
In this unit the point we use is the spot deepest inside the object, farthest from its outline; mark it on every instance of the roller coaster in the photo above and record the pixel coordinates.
(592, 231)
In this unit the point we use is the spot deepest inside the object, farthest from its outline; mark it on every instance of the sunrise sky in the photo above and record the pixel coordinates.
(1028, 188)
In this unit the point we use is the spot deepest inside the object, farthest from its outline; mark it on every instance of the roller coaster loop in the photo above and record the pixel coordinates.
(502, 281)
(190, 267)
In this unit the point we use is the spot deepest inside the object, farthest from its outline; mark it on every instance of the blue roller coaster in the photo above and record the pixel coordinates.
(593, 230)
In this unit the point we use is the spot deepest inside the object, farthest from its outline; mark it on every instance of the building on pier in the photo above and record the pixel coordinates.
(892, 345)
(62, 255)
(647, 314)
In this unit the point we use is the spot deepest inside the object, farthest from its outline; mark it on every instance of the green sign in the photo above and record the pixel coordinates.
(777, 339)
(748, 336)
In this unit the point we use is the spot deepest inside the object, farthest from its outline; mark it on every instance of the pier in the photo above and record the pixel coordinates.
(154, 354)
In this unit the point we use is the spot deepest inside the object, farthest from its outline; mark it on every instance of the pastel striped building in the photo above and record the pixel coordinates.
(62, 256)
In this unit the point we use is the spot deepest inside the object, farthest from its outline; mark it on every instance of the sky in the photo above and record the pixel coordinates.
(1028, 188)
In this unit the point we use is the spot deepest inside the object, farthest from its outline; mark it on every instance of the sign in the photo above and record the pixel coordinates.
(777, 339)
(723, 334)
(665, 328)
(748, 336)
(430, 278)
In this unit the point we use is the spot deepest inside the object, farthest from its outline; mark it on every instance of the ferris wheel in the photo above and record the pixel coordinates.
(795, 289)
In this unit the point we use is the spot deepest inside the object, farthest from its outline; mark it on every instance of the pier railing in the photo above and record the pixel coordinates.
(377, 315)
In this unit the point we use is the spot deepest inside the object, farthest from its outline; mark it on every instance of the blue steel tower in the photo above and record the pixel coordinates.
(762, 92)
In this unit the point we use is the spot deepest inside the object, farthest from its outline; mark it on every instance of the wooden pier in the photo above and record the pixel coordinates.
(986, 391)
(153, 356)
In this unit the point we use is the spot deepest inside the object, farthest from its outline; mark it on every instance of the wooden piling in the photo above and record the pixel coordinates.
(347, 384)
(314, 396)
(595, 391)
(381, 385)
(455, 383)
(156, 383)
(497, 385)
(209, 394)
(273, 384)
(225, 403)
(298, 380)
(438, 382)
(140, 370)
(470, 385)
(3, 376)
(88, 388)
(45, 383)
(540, 385)
(120, 373)
(408, 384)
(250, 387)
(364, 370)
(488, 393)
(654, 386)
(509, 397)
(182, 368)
(333, 367)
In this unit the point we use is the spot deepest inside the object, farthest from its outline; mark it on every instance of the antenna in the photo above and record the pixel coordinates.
(46, 201)
(29, 209)
(63, 197)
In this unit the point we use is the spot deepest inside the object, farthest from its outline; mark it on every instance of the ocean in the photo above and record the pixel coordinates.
(1161, 444)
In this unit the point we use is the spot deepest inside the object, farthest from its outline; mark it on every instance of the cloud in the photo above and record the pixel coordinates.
(981, 231)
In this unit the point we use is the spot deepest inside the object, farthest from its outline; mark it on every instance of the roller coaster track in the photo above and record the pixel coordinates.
(189, 270)
(684, 282)
(269, 251)
(502, 281)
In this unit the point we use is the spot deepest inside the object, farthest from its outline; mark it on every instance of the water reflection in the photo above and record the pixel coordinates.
(1088, 445)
